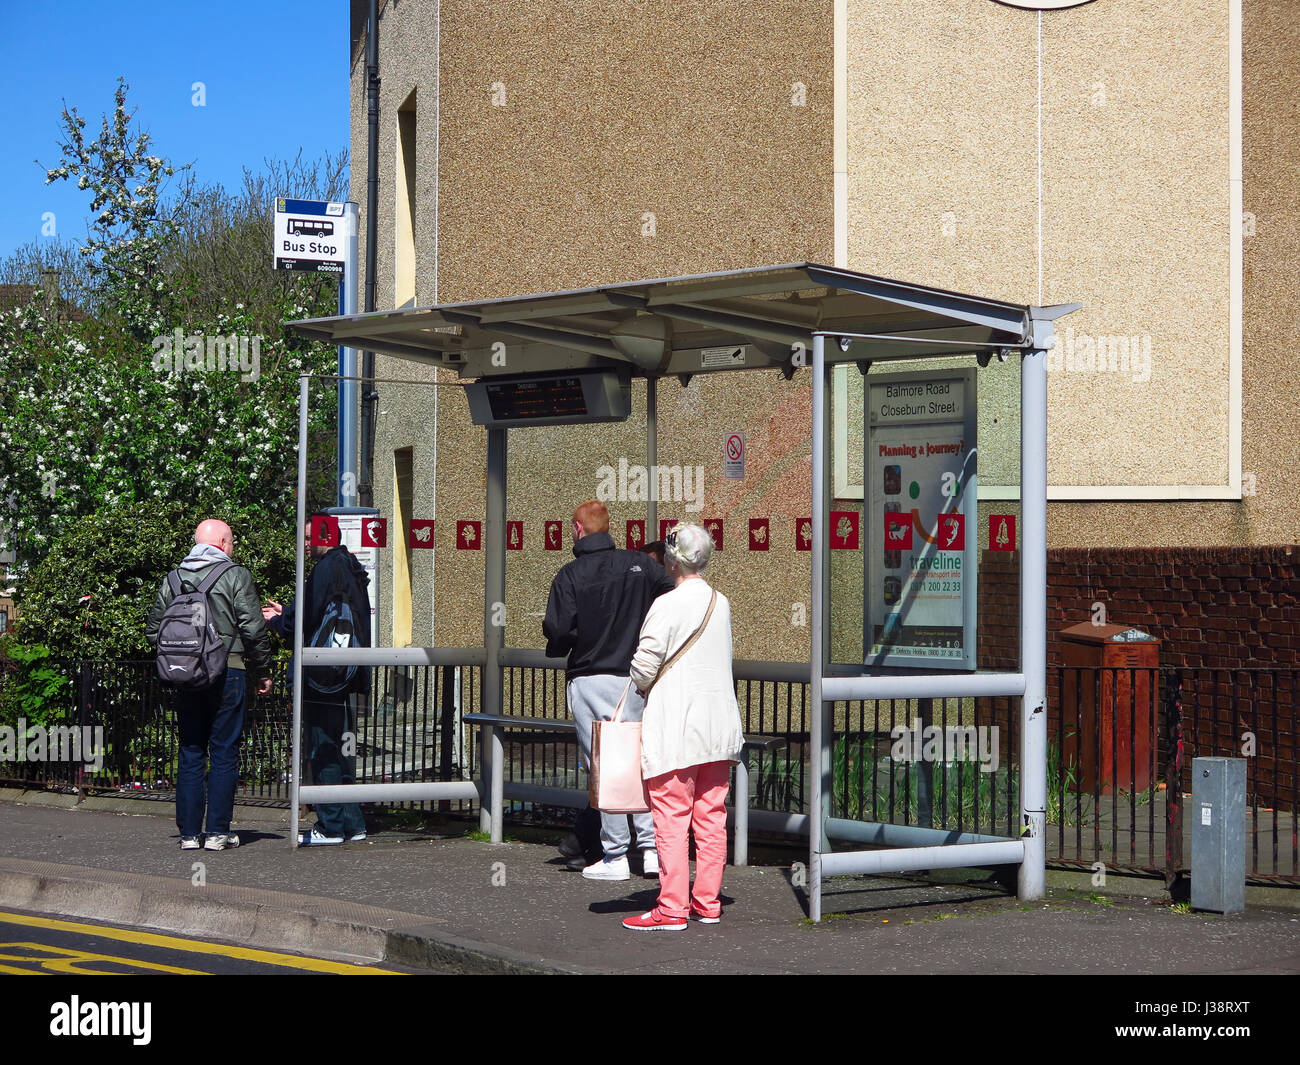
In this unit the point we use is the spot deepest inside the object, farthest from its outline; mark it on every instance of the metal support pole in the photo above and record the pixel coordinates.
(295, 767)
(925, 769)
(741, 808)
(348, 495)
(820, 753)
(485, 748)
(827, 703)
(496, 793)
(369, 397)
(652, 457)
(494, 588)
(1031, 878)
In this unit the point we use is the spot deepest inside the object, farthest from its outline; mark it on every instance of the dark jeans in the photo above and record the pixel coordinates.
(326, 719)
(210, 723)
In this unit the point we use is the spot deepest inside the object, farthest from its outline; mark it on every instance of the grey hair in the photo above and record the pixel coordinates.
(693, 549)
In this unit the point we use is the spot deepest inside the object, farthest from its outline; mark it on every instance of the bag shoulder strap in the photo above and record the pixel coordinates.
(213, 576)
(204, 586)
(622, 702)
(672, 661)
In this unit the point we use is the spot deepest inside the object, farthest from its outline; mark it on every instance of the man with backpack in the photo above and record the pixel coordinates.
(211, 643)
(337, 615)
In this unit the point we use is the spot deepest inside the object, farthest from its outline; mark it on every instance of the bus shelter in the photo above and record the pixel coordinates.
(568, 358)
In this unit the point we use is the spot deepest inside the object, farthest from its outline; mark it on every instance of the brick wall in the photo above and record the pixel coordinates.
(1213, 606)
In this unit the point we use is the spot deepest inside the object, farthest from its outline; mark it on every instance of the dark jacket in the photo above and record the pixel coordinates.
(236, 611)
(597, 604)
(336, 564)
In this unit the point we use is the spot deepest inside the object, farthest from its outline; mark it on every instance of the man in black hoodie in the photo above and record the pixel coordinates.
(594, 614)
(328, 719)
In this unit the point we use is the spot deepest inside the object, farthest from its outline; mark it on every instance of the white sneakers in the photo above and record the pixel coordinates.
(219, 842)
(609, 869)
(618, 869)
(317, 838)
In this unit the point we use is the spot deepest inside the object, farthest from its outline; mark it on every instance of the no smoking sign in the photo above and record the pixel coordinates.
(733, 457)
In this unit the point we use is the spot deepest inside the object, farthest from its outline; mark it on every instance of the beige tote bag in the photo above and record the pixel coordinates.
(615, 785)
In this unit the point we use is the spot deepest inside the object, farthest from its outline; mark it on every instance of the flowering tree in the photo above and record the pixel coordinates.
(132, 423)
(130, 227)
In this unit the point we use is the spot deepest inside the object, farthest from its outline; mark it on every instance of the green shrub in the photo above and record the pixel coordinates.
(33, 689)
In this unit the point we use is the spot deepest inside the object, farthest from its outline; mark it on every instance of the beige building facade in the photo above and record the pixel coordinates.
(1135, 156)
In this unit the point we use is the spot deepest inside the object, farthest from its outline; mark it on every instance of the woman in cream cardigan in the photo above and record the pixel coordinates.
(690, 733)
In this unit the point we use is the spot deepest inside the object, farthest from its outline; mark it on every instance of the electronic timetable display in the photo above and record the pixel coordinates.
(549, 399)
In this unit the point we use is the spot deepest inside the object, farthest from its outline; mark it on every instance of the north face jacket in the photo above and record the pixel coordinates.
(597, 604)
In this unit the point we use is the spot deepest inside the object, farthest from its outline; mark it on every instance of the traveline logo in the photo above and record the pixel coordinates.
(103, 1018)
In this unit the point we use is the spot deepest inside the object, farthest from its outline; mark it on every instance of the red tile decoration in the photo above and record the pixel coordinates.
(553, 536)
(759, 538)
(952, 532)
(713, 526)
(1002, 532)
(374, 532)
(420, 534)
(844, 530)
(803, 534)
(514, 536)
(635, 535)
(898, 530)
(469, 535)
(325, 531)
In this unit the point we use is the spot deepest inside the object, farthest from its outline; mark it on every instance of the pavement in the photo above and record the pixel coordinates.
(429, 895)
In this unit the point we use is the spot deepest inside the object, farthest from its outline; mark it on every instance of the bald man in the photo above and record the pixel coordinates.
(211, 719)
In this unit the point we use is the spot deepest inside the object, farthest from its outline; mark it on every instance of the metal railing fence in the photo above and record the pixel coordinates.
(1121, 743)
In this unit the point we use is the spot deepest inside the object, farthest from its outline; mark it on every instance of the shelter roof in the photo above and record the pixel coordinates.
(738, 319)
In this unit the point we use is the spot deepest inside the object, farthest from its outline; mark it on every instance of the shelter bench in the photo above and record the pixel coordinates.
(495, 789)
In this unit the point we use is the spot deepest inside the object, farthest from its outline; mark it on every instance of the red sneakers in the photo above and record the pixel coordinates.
(654, 921)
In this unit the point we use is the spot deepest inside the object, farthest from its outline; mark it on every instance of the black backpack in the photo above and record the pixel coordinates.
(337, 628)
(191, 652)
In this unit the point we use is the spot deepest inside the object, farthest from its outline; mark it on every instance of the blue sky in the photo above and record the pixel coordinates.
(276, 80)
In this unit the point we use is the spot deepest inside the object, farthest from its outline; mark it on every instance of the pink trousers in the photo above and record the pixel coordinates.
(690, 800)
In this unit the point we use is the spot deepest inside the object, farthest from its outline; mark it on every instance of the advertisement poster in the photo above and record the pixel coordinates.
(922, 548)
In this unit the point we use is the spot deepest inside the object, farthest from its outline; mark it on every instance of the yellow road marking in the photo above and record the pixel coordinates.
(65, 960)
(192, 946)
